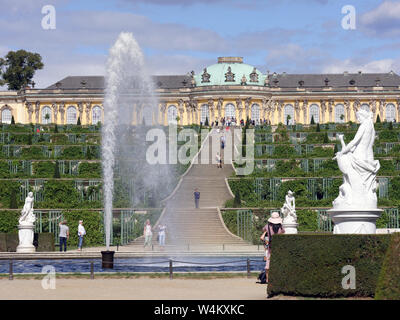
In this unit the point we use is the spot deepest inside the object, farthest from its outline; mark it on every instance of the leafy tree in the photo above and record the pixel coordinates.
(17, 68)
(79, 121)
(13, 199)
(12, 120)
(378, 119)
(288, 119)
(57, 171)
(312, 120)
(237, 201)
(206, 122)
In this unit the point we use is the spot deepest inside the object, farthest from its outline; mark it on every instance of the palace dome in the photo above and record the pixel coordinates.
(229, 71)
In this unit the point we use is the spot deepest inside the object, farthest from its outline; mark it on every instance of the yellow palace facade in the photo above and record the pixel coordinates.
(229, 89)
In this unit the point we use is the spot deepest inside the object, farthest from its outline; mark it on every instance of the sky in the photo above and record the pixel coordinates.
(178, 36)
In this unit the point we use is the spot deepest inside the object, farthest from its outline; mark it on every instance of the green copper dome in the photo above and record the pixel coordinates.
(230, 71)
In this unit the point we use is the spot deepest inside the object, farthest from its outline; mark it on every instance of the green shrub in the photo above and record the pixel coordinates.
(388, 287)
(311, 265)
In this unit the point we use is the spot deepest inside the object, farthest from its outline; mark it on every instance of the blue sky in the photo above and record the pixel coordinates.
(177, 36)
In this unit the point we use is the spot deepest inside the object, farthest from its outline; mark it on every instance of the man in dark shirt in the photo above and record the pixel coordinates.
(196, 197)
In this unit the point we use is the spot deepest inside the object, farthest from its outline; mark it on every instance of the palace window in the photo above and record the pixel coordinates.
(365, 107)
(229, 111)
(255, 113)
(6, 116)
(314, 113)
(390, 114)
(46, 115)
(96, 115)
(339, 113)
(288, 115)
(205, 113)
(71, 115)
(172, 114)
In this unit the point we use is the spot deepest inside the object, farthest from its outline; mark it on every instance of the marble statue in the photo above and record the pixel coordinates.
(26, 226)
(288, 212)
(356, 162)
(289, 209)
(355, 209)
(27, 215)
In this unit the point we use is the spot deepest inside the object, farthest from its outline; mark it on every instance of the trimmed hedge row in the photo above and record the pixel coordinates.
(388, 286)
(44, 242)
(311, 265)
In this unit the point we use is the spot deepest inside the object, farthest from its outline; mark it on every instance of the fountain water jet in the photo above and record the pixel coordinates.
(126, 84)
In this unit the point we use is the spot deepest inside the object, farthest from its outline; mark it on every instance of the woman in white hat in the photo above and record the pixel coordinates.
(274, 226)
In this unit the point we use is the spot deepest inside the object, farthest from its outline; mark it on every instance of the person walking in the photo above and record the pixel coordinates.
(81, 234)
(148, 234)
(219, 161)
(161, 235)
(64, 235)
(274, 226)
(196, 198)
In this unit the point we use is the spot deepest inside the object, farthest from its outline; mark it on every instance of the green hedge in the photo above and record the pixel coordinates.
(311, 265)
(388, 286)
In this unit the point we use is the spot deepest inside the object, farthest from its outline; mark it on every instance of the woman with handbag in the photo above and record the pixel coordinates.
(274, 226)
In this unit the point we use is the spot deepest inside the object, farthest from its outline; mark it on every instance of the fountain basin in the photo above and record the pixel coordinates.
(353, 221)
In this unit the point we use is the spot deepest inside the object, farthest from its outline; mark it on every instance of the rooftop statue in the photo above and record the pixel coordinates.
(356, 162)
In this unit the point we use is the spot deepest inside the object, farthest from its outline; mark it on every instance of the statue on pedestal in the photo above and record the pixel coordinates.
(355, 209)
(26, 226)
(289, 213)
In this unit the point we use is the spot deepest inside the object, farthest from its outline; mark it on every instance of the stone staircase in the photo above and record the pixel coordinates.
(187, 225)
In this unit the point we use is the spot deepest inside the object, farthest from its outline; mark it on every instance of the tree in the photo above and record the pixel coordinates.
(390, 125)
(17, 68)
(13, 199)
(206, 122)
(326, 138)
(336, 149)
(12, 120)
(56, 129)
(288, 119)
(57, 171)
(378, 119)
(312, 120)
(318, 128)
(79, 121)
(30, 139)
(237, 201)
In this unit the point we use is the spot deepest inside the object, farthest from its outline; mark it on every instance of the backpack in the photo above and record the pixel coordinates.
(262, 277)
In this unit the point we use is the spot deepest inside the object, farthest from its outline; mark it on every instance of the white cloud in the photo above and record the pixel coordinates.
(384, 20)
(352, 65)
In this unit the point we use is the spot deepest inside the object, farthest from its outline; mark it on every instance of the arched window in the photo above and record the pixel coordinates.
(314, 113)
(255, 113)
(96, 115)
(365, 107)
(339, 113)
(46, 115)
(172, 114)
(288, 115)
(6, 116)
(71, 115)
(147, 115)
(205, 113)
(230, 111)
(390, 114)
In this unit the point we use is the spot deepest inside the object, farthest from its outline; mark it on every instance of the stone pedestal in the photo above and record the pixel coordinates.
(25, 234)
(290, 227)
(354, 221)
